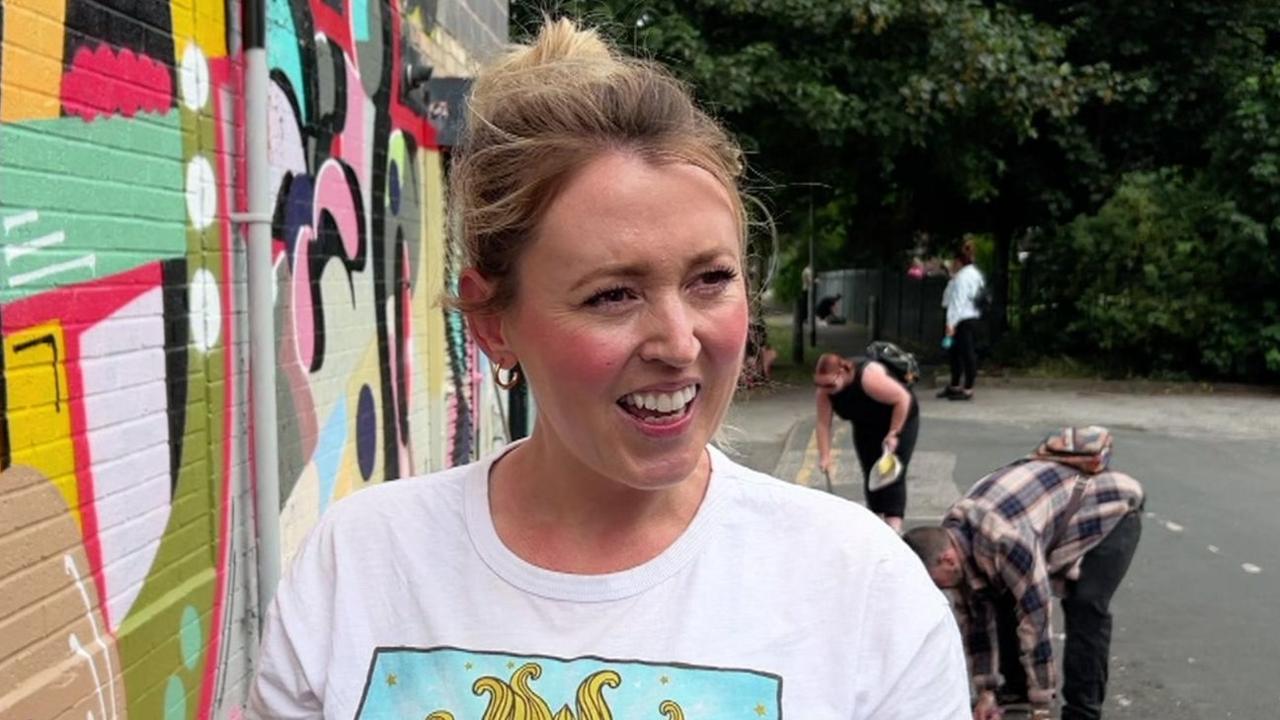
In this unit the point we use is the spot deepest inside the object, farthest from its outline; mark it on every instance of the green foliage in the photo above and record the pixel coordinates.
(1138, 142)
(1167, 277)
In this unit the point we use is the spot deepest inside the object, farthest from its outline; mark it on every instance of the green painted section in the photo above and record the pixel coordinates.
(113, 188)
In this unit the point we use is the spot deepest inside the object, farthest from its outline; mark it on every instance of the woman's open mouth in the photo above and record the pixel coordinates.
(660, 408)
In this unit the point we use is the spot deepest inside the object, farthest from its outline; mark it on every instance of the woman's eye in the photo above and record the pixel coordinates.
(612, 296)
(718, 278)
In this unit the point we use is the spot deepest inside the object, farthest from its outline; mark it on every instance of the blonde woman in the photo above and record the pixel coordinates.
(613, 562)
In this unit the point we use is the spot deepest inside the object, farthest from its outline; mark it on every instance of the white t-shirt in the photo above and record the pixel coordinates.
(961, 295)
(777, 601)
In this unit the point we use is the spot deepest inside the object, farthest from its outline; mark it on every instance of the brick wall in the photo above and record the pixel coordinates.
(127, 556)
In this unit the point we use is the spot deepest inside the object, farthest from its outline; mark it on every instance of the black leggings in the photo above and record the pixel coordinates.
(964, 355)
(868, 440)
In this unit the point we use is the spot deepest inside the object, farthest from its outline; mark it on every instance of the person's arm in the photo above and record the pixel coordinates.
(1023, 571)
(823, 430)
(296, 636)
(949, 302)
(882, 388)
(982, 646)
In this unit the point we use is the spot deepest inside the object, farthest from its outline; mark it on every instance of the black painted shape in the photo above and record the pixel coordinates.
(366, 432)
(328, 246)
(143, 26)
(177, 337)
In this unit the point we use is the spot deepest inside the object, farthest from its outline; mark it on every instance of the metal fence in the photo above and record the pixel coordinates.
(893, 306)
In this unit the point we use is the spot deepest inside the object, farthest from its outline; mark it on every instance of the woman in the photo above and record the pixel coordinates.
(960, 298)
(613, 559)
(885, 418)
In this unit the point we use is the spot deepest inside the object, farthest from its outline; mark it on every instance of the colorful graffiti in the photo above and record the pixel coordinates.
(124, 422)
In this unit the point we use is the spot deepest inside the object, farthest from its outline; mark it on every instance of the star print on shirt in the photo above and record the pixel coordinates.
(761, 711)
(664, 679)
(391, 679)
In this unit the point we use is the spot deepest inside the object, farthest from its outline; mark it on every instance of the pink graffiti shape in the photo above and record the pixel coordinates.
(304, 337)
(102, 83)
(338, 197)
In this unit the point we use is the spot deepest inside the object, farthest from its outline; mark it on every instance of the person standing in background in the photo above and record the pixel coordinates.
(961, 300)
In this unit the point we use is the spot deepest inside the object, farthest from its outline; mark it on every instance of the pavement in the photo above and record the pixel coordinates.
(1196, 631)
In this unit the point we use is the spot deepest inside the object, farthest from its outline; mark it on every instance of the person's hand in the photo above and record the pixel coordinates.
(824, 464)
(951, 331)
(986, 707)
(891, 443)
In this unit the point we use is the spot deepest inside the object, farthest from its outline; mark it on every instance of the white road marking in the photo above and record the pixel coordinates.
(1251, 568)
(1173, 526)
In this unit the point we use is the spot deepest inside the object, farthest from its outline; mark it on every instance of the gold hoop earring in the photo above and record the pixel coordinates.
(513, 376)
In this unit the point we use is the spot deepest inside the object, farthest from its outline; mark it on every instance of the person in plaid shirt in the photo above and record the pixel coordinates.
(1056, 522)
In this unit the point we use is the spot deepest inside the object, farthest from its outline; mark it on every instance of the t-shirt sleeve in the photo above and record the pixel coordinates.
(296, 637)
(912, 663)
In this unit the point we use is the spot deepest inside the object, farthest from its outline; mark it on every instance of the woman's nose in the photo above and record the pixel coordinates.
(671, 335)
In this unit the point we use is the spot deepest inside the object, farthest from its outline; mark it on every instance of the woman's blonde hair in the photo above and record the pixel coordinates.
(542, 112)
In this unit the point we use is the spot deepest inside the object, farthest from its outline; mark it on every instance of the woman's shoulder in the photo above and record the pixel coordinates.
(387, 501)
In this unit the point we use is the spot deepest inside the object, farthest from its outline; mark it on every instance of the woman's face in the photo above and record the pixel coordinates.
(833, 378)
(630, 318)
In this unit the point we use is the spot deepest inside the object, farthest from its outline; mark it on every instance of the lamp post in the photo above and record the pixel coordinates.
(812, 300)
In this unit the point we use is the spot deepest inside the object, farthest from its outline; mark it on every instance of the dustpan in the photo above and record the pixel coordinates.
(886, 471)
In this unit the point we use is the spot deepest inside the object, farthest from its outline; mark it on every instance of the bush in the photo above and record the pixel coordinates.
(1166, 278)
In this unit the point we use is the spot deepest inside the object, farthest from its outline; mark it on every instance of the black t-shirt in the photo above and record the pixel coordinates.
(854, 404)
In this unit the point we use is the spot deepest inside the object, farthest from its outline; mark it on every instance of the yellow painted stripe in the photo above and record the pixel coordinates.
(33, 38)
(38, 407)
(809, 474)
(203, 21)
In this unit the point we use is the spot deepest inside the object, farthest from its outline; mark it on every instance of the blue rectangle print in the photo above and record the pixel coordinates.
(447, 683)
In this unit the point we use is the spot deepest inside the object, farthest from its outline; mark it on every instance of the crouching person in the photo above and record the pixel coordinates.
(1056, 522)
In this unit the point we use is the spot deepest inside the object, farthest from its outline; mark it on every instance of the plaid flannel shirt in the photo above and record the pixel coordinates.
(1013, 532)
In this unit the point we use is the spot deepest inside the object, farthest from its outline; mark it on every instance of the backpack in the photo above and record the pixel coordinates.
(982, 301)
(901, 364)
(982, 298)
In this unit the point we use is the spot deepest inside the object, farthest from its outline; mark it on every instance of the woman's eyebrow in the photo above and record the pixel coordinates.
(613, 270)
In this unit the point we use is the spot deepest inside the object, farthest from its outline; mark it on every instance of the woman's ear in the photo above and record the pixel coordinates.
(486, 327)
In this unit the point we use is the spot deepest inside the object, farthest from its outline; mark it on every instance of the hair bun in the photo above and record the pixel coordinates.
(561, 40)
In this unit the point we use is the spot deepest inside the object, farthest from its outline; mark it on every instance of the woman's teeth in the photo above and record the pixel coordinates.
(662, 402)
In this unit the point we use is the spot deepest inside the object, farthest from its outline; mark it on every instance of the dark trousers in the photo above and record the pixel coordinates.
(1086, 611)
(964, 354)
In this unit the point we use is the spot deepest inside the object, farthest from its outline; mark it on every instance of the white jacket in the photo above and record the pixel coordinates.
(960, 297)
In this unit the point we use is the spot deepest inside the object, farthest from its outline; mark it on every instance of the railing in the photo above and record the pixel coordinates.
(893, 306)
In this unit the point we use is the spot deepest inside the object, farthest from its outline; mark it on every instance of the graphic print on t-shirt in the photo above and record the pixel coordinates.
(446, 683)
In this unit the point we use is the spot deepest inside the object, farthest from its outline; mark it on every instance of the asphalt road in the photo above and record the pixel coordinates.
(1197, 622)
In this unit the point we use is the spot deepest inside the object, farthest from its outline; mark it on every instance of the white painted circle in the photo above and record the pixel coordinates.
(202, 193)
(206, 310)
(193, 77)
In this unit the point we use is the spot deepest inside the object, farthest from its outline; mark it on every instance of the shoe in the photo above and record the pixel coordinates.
(962, 395)
(947, 392)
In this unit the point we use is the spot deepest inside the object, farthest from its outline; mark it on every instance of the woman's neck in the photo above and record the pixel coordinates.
(553, 511)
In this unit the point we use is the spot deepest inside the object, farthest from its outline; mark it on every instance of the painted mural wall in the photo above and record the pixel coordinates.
(127, 560)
